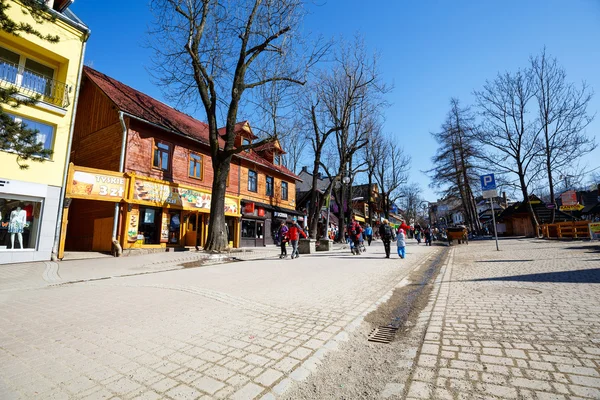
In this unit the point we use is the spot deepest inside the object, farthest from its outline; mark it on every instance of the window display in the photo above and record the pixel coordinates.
(19, 223)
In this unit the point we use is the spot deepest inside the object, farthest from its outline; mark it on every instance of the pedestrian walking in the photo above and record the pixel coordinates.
(283, 239)
(401, 242)
(387, 234)
(369, 234)
(294, 233)
(354, 232)
(418, 233)
(428, 236)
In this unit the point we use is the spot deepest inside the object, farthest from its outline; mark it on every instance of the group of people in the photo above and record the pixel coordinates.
(290, 234)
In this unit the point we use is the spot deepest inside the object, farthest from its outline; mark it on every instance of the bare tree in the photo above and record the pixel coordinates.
(454, 162)
(410, 201)
(217, 51)
(391, 172)
(563, 117)
(509, 138)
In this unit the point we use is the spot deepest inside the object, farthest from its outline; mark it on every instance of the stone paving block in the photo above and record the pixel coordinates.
(585, 381)
(123, 386)
(530, 384)
(392, 390)
(183, 392)
(208, 385)
(256, 359)
(248, 392)
(287, 364)
(420, 390)
(268, 378)
(219, 373)
(500, 391)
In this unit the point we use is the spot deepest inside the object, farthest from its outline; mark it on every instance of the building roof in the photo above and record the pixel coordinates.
(146, 108)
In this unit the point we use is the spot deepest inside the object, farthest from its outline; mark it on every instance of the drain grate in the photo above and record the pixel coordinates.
(383, 334)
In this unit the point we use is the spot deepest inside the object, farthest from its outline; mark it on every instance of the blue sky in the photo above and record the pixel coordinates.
(430, 50)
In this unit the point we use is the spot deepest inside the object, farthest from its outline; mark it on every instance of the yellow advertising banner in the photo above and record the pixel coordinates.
(96, 184)
(575, 207)
(163, 194)
(594, 230)
(132, 228)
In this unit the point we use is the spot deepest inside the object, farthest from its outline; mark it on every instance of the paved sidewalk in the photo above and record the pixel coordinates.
(41, 274)
(522, 323)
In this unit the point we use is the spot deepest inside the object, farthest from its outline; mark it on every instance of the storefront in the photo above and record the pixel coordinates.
(260, 223)
(157, 214)
(28, 213)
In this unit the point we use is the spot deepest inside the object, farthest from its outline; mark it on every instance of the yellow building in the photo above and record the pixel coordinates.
(30, 199)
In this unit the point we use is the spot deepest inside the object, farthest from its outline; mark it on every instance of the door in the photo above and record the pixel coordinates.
(102, 240)
(260, 233)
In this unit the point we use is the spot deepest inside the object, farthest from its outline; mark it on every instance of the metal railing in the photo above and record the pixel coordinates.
(32, 84)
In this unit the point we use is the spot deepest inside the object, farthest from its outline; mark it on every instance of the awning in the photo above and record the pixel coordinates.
(274, 208)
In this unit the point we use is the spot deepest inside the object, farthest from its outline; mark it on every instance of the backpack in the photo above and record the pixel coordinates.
(387, 232)
(352, 229)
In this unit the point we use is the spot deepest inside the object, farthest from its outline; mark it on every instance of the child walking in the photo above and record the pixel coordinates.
(401, 241)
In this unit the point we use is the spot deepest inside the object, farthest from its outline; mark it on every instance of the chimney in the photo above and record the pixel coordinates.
(305, 169)
(504, 199)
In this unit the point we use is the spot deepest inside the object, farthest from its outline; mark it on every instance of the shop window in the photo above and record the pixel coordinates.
(252, 181)
(195, 166)
(269, 186)
(45, 133)
(174, 226)
(248, 229)
(162, 152)
(19, 223)
(284, 190)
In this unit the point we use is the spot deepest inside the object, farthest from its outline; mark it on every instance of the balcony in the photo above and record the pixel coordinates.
(32, 84)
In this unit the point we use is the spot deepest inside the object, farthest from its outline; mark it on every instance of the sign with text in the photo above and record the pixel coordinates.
(569, 198)
(594, 230)
(96, 184)
(163, 194)
(575, 207)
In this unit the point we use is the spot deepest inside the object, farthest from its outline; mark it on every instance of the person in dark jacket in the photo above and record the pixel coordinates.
(294, 234)
(283, 239)
(387, 235)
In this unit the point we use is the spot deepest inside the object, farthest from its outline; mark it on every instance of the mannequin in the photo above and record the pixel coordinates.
(16, 226)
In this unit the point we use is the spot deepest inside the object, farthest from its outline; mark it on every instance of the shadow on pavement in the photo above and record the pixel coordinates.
(578, 276)
(592, 248)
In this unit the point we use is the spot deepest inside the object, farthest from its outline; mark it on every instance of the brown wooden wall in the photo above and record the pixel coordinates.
(261, 194)
(140, 150)
(97, 134)
(80, 229)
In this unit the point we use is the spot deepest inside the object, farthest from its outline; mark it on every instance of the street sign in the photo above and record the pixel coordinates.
(575, 207)
(550, 205)
(569, 198)
(488, 186)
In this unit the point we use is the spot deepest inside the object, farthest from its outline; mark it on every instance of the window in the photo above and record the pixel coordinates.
(252, 179)
(195, 166)
(161, 156)
(277, 159)
(269, 186)
(284, 190)
(45, 133)
(246, 142)
(19, 223)
(9, 65)
(26, 72)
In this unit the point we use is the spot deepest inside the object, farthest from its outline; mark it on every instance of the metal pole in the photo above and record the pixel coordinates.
(494, 222)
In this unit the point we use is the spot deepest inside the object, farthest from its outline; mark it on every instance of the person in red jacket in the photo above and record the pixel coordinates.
(294, 234)
(354, 232)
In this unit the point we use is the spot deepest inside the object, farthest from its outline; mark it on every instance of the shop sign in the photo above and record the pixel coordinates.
(132, 227)
(95, 184)
(163, 194)
(575, 207)
(261, 212)
(164, 228)
(249, 208)
(280, 215)
(594, 230)
(569, 198)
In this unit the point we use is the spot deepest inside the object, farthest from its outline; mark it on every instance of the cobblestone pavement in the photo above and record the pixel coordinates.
(522, 323)
(242, 330)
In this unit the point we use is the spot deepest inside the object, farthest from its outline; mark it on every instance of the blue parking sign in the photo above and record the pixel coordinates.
(488, 182)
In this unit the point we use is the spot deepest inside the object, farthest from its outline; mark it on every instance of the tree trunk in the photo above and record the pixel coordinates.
(315, 207)
(525, 193)
(217, 231)
(550, 183)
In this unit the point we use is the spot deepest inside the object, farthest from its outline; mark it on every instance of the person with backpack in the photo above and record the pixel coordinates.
(387, 234)
(354, 232)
